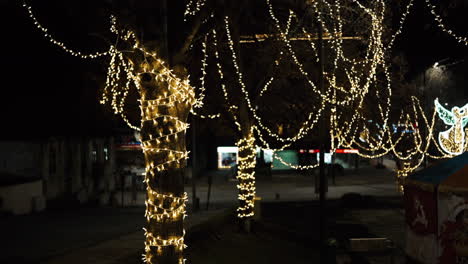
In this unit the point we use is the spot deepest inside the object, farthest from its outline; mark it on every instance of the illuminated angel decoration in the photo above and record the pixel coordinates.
(453, 140)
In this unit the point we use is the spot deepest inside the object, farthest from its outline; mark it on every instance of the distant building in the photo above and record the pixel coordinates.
(55, 172)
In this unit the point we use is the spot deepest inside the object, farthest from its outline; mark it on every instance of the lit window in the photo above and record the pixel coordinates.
(106, 154)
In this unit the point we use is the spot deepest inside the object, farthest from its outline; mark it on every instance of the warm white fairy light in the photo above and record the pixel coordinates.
(157, 242)
(307, 125)
(361, 76)
(231, 108)
(383, 111)
(344, 133)
(266, 86)
(378, 52)
(114, 93)
(236, 66)
(165, 207)
(372, 60)
(246, 175)
(401, 23)
(193, 7)
(58, 43)
(441, 25)
(117, 66)
(294, 166)
(380, 144)
(336, 44)
(289, 46)
(158, 144)
(430, 128)
(164, 128)
(199, 101)
(384, 143)
(413, 157)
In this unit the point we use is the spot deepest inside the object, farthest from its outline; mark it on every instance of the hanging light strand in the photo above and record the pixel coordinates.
(60, 44)
(199, 101)
(441, 25)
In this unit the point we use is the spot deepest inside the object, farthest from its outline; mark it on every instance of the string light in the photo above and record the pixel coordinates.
(157, 242)
(199, 100)
(337, 30)
(335, 41)
(302, 131)
(440, 24)
(383, 113)
(380, 143)
(421, 145)
(401, 23)
(384, 141)
(193, 7)
(112, 92)
(162, 128)
(48, 36)
(246, 175)
(306, 125)
(231, 108)
(361, 76)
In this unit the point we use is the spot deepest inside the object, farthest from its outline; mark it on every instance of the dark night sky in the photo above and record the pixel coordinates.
(44, 90)
(48, 92)
(424, 43)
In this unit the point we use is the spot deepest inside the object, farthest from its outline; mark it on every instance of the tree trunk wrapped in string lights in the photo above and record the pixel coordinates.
(246, 175)
(165, 104)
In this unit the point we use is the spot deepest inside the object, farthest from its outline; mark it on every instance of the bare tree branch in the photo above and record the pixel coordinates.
(180, 55)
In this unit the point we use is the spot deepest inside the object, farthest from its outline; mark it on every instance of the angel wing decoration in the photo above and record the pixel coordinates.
(444, 114)
(452, 140)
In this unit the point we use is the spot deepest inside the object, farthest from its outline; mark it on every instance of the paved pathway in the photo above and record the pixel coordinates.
(111, 235)
(294, 187)
(119, 250)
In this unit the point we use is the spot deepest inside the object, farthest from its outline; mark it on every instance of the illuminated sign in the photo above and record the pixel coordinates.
(228, 156)
(342, 151)
(327, 158)
(128, 142)
(349, 151)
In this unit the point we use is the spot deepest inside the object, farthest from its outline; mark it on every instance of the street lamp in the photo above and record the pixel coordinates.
(437, 75)
(431, 70)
